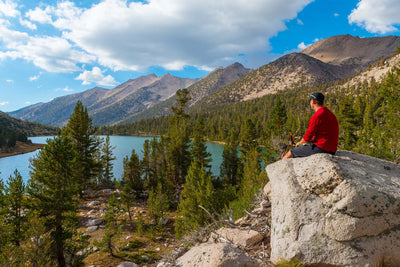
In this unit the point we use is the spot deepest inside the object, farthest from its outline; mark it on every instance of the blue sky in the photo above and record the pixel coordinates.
(53, 48)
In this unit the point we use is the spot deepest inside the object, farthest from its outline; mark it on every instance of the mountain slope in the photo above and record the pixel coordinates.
(283, 73)
(328, 60)
(216, 79)
(353, 50)
(105, 106)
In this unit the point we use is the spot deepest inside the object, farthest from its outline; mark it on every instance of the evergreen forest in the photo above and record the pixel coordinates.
(39, 220)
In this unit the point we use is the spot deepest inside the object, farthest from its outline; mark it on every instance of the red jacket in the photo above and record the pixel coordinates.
(323, 130)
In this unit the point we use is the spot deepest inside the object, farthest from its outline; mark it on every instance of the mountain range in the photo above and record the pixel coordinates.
(327, 60)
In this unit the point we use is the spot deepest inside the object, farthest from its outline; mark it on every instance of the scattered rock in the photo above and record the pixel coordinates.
(95, 222)
(94, 203)
(164, 221)
(92, 229)
(128, 264)
(267, 189)
(92, 211)
(214, 255)
(236, 236)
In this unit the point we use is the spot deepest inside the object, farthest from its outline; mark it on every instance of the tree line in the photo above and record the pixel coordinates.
(39, 222)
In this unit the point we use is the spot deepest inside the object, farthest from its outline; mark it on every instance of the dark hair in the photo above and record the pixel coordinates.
(318, 97)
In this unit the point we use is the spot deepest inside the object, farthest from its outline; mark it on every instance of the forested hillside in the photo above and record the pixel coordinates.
(368, 113)
(13, 130)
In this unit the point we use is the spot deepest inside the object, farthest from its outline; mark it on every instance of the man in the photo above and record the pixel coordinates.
(322, 134)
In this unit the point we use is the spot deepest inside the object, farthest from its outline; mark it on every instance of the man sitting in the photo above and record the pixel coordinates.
(322, 134)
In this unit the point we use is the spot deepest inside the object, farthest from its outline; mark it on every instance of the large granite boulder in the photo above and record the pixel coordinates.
(341, 210)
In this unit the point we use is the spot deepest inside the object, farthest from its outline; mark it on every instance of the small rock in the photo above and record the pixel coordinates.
(157, 249)
(95, 222)
(267, 189)
(92, 211)
(92, 229)
(126, 238)
(95, 249)
(164, 221)
(107, 191)
(128, 264)
(163, 264)
(94, 203)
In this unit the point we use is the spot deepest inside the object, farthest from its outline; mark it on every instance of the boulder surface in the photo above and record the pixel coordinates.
(215, 255)
(341, 210)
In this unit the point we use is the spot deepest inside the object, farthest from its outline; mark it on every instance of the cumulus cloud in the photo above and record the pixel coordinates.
(8, 8)
(53, 54)
(169, 33)
(96, 76)
(4, 103)
(28, 24)
(376, 17)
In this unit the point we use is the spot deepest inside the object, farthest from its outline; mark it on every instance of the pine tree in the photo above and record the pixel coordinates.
(132, 174)
(107, 165)
(199, 149)
(37, 248)
(145, 165)
(15, 201)
(53, 191)
(231, 164)
(279, 116)
(248, 138)
(197, 191)
(178, 140)
(157, 203)
(113, 228)
(81, 130)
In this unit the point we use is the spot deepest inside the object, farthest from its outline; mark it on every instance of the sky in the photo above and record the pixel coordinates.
(53, 48)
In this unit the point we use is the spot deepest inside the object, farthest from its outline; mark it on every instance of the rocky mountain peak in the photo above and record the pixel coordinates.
(352, 50)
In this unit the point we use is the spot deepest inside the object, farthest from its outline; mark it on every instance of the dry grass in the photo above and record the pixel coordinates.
(143, 249)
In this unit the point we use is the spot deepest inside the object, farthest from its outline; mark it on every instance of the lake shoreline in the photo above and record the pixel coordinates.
(21, 148)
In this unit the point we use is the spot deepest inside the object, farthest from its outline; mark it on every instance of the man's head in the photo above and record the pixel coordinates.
(318, 98)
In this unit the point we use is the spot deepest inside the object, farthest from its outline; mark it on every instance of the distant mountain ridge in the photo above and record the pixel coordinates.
(216, 79)
(107, 105)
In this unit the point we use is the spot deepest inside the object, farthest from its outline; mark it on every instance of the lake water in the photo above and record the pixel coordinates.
(123, 147)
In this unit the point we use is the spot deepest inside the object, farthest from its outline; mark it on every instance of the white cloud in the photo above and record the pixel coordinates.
(28, 24)
(10, 81)
(376, 17)
(54, 54)
(300, 22)
(336, 14)
(34, 78)
(66, 89)
(302, 46)
(8, 8)
(4, 103)
(170, 33)
(96, 76)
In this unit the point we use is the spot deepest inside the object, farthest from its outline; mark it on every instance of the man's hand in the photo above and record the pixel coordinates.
(302, 141)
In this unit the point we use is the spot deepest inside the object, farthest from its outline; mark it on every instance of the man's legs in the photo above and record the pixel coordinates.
(287, 155)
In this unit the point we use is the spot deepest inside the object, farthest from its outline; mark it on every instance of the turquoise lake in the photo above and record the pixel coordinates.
(123, 147)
